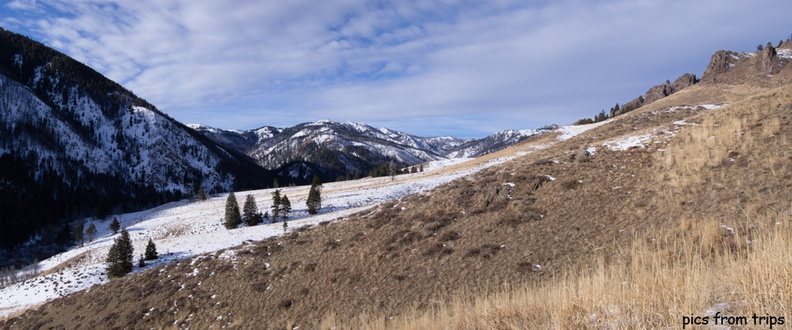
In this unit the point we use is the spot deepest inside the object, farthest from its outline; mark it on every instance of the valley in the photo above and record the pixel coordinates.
(666, 211)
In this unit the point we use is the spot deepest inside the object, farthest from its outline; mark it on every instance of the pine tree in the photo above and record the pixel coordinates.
(115, 226)
(79, 226)
(250, 213)
(314, 201)
(119, 258)
(285, 207)
(276, 205)
(91, 232)
(201, 193)
(151, 251)
(232, 216)
(392, 170)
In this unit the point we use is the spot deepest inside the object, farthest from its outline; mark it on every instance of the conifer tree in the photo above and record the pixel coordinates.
(232, 216)
(276, 205)
(250, 213)
(314, 201)
(151, 251)
(201, 193)
(119, 259)
(91, 232)
(79, 226)
(115, 226)
(285, 207)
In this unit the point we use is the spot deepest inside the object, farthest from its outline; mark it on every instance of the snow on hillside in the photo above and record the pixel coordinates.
(185, 229)
(570, 131)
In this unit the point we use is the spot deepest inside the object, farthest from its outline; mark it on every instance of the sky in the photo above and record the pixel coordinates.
(425, 67)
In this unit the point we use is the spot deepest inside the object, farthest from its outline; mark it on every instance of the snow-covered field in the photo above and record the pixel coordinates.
(185, 229)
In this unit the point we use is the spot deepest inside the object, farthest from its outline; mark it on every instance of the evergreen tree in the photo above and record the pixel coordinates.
(250, 213)
(79, 226)
(91, 232)
(276, 205)
(285, 207)
(201, 193)
(314, 201)
(119, 258)
(392, 170)
(265, 217)
(232, 216)
(285, 226)
(115, 226)
(151, 251)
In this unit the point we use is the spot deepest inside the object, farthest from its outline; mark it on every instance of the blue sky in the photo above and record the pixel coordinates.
(430, 68)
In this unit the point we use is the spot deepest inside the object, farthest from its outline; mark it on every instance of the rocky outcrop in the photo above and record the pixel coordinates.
(685, 81)
(720, 63)
(657, 92)
(756, 68)
(769, 62)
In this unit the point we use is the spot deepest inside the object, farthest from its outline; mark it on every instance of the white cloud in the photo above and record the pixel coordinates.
(363, 60)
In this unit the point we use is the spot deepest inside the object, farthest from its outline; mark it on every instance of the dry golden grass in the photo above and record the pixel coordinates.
(734, 263)
(628, 239)
(695, 272)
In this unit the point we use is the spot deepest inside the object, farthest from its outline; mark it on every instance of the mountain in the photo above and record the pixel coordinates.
(351, 149)
(578, 228)
(73, 144)
(496, 141)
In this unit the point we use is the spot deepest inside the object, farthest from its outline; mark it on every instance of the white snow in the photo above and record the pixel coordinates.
(438, 164)
(784, 53)
(186, 229)
(570, 131)
(627, 142)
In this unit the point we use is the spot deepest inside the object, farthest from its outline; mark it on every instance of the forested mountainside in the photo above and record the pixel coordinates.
(74, 144)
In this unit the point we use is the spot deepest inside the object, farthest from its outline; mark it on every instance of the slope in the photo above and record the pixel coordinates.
(73, 144)
(576, 199)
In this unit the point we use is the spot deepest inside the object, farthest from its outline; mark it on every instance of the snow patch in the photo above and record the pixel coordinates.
(627, 142)
(784, 53)
(570, 131)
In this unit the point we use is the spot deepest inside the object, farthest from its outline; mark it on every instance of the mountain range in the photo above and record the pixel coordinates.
(351, 149)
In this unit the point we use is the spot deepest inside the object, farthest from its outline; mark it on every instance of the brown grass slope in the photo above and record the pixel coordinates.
(722, 199)
(507, 226)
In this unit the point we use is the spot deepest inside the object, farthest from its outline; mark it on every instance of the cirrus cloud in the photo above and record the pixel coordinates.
(466, 68)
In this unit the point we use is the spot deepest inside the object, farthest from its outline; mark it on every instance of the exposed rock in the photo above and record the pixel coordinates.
(769, 63)
(658, 92)
(685, 81)
(721, 62)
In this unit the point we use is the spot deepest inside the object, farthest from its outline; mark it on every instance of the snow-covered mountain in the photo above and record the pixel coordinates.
(350, 148)
(497, 141)
(73, 143)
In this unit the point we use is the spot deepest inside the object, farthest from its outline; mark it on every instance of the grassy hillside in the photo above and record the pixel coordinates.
(692, 222)
(722, 195)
